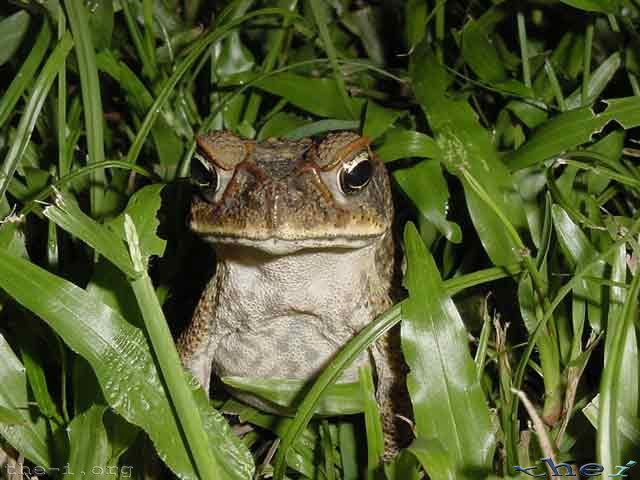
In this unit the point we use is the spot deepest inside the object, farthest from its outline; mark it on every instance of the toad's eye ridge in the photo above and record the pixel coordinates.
(355, 175)
(204, 176)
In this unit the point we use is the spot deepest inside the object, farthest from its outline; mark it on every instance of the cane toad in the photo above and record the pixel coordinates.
(302, 233)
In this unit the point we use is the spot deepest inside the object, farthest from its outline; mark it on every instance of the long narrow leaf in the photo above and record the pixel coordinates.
(32, 111)
(442, 380)
(29, 435)
(25, 75)
(91, 99)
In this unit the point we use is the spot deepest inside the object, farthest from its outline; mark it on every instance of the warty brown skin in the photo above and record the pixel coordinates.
(303, 266)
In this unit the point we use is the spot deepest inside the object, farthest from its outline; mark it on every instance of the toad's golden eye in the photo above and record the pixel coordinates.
(355, 174)
(204, 176)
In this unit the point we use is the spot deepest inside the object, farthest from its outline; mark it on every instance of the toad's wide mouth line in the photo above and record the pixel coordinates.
(281, 244)
(209, 231)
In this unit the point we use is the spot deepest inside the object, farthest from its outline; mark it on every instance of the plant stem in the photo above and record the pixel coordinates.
(169, 361)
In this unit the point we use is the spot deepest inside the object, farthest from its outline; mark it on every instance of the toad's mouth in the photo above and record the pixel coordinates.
(284, 242)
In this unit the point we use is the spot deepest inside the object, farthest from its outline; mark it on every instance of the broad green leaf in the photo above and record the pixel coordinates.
(338, 399)
(12, 31)
(121, 434)
(320, 96)
(416, 21)
(467, 151)
(67, 215)
(577, 127)
(143, 209)
(434, 458)
(121, 359)
(12, 239)
(405, 466)
(89, 445)
(532, 115)
(530, 183)
(477, 48)
(598, 81)
(101, 24)
(279, 125)
(84, 385)
(109, 285)
(442, 380)
(378, 119)
(10, 417)
(579, 251)
(602, 6)
(321, 126)
(628, 426)
(29, 436)
(425, 185)
(400, 143)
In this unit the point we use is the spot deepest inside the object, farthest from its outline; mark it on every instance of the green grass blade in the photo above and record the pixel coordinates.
(91, 97)
(64, 163)
(607, 443)
(34, 362)
(318, 10)
(25, 74)
(628, 398)
(32, 111)
(373, 423)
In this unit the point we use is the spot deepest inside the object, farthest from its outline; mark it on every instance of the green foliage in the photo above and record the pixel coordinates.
(510, 130)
